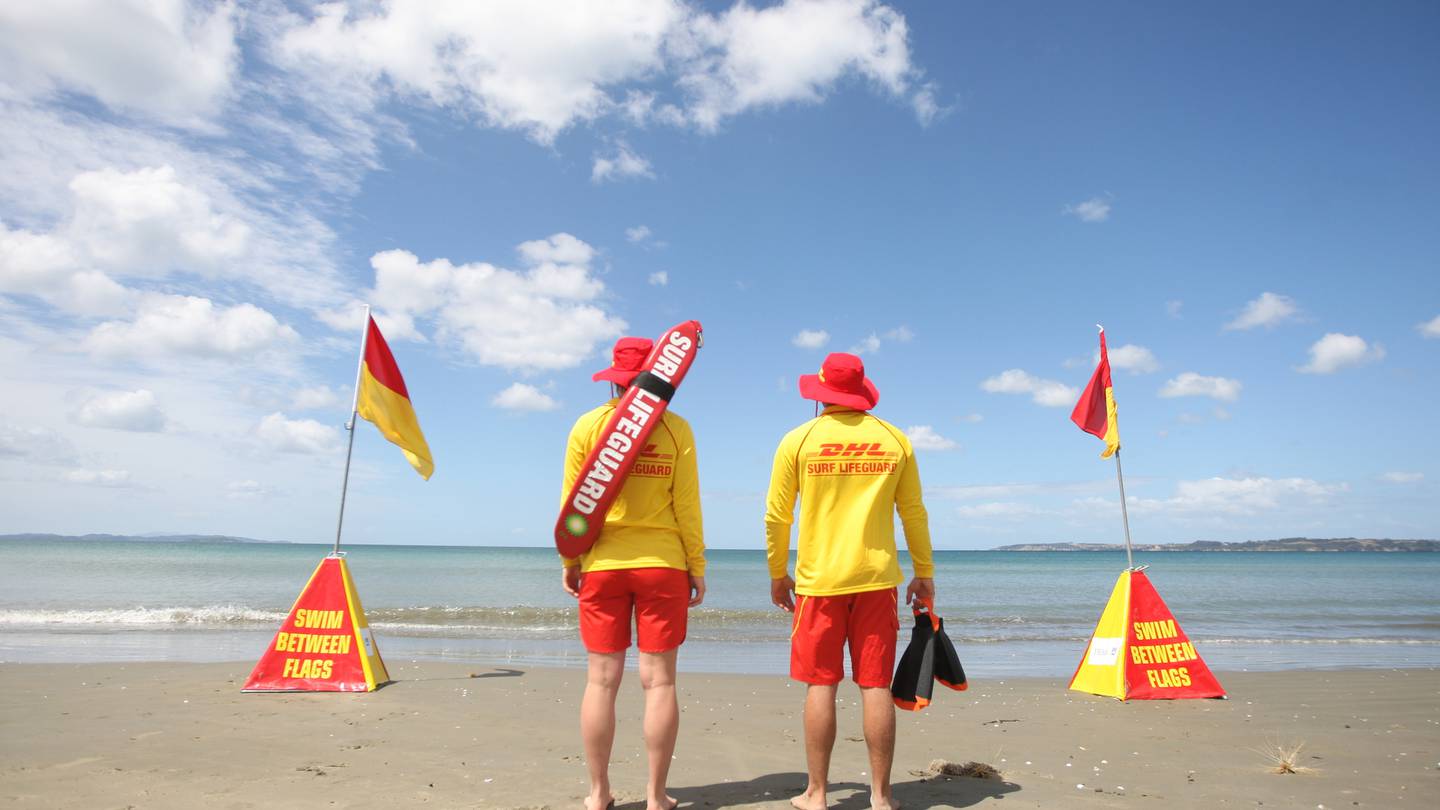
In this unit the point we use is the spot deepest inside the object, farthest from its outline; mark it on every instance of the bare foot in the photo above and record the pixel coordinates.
(809, 800)
(602, 802)
(670, 803)
(888, 803)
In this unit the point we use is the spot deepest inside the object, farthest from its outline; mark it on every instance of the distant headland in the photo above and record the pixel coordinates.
(149, 538)
(1309, 544)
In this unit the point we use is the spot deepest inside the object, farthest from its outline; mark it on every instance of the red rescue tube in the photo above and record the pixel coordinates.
(618, 446)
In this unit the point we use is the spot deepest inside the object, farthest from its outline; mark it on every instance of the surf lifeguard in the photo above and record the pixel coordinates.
(851, 471)
(648, 564)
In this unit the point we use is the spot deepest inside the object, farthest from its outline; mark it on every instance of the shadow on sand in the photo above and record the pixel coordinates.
(498, 672)
(776, 789)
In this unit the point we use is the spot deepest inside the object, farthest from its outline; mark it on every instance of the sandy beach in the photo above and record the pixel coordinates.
(450, 735)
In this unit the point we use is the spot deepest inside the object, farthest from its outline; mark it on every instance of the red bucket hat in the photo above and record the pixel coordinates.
(841, 381)
(625, 360)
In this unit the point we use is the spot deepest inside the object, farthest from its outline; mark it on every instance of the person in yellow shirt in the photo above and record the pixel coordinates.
(649, 564)
(851, 471)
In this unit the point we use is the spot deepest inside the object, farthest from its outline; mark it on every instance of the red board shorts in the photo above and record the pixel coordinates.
(658, 598)
(823, 624)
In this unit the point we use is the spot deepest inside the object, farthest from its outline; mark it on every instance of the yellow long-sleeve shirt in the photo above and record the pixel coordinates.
(850, 469)
(655, 520)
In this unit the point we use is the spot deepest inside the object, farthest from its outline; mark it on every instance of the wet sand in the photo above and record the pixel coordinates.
(183, 736)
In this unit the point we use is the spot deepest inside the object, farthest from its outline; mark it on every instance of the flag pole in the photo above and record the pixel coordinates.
(1120, 479)
(350, 428)
(1124, 511)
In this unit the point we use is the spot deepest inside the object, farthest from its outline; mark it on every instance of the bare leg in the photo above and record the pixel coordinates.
(597, 723)
(819, 742)
(879, 709)
(662, 723)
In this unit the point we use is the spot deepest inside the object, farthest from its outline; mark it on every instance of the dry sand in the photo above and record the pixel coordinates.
(183, 736)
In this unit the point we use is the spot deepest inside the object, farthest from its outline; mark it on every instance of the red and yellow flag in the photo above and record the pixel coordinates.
(1095, 412)
(384, 400)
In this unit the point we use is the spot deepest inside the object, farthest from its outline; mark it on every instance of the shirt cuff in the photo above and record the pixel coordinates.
(925, 571)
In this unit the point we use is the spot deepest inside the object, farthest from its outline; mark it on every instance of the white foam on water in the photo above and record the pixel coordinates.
(206, 616)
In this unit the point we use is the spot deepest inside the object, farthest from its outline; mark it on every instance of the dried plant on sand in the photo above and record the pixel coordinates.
(1283, 757)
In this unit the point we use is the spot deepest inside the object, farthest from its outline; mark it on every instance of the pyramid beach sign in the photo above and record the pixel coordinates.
(1139, 652)
(325, 644)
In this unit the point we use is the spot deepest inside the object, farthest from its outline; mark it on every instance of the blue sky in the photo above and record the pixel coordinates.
(196, 198)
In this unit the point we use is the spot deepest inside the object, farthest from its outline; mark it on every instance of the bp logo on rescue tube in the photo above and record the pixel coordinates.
(576, 525)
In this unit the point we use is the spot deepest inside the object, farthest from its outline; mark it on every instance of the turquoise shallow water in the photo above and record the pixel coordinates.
(1012, 613)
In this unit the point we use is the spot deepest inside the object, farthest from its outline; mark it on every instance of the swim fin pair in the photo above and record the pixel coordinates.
(929, 657)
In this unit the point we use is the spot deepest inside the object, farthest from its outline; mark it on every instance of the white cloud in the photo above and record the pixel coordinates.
(1335, 351)
(1190, 384)
(50, 269)
(118, 479)
(187, 325)
(1269, 310)
(1172, 308)
(519, 65)
(867, 345)
(972, 418)
(971, 492)
(1049, 393)
(927, 109)
(1240, 496)
(143, 224)
(639, 233)
(1003, 510)
(559, 249)
(543, 317)
(34, 444)
(900, 334)
(620, 165)
(147, 223)
(640, 109)
(541, 68)
(247, 490)
(810, 338)
(522, 397)
(297, 435)
(1094, 209)
(151, 224)
(1131, 358)
(164, 58)
(1431, 328)
(659, 278)
(795, 51)
(924, 437)
(1403, 477)
(123, 410)
(316, 398)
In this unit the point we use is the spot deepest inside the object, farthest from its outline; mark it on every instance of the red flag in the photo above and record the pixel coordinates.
(1095, 412)
(384, 400)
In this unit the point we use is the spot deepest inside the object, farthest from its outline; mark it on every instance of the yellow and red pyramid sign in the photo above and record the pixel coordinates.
(1139, 652)
(325, 644)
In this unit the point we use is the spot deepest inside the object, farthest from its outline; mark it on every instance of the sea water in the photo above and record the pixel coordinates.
(1010, 613)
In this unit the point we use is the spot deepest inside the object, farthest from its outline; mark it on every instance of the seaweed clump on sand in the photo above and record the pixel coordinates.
(969, 770)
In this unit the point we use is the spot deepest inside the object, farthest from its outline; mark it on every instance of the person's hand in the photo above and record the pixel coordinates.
(922, 589)
(697, 590)
(570, 581)
(782, 593)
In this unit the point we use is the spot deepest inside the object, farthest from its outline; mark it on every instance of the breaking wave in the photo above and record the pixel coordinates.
(523, 622)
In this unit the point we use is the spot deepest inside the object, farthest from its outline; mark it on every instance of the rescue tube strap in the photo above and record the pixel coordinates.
(647, 381)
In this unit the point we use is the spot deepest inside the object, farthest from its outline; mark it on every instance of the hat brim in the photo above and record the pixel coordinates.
(812, 388)
(619, 376)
